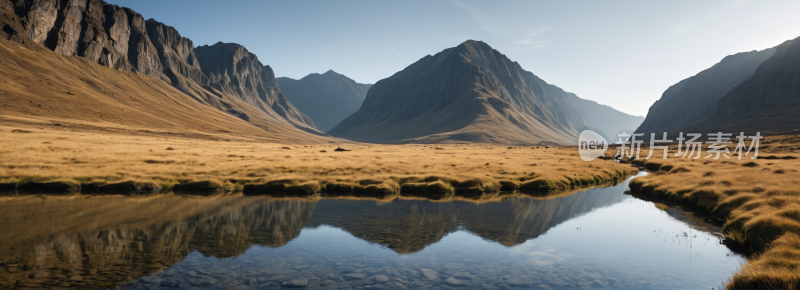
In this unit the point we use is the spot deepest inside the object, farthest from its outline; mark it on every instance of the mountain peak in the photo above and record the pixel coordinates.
(472, 42)
(327, 98)
(459, 102)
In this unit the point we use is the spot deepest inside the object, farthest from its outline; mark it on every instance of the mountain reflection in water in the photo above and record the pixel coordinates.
(96, 241)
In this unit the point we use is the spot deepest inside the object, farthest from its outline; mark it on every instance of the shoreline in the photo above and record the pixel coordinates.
(754, 219)
(437, 188)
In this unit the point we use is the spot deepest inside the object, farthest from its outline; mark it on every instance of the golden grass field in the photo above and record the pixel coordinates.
(759, 199)
(88, 160)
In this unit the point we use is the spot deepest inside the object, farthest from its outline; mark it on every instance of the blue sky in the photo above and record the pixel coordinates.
(619, 53)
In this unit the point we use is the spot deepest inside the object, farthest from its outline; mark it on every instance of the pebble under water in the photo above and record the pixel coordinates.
(596, 238)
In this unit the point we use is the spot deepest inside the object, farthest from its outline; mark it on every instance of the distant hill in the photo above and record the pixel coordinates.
(326, 98)
(757, 91)
(473, 93)
(119, 38)
(606, 120)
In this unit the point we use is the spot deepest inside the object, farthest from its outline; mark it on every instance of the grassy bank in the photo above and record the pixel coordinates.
(38, 160)
(759, 199)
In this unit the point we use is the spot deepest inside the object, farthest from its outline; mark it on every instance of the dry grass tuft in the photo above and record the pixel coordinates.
(776, 268)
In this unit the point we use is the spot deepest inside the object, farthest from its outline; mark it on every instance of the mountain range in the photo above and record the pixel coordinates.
(327, 98)
(96, 66)
(755, 91)
(222, 77)
(469, 93)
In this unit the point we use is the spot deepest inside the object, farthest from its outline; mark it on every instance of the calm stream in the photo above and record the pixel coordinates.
(597, 238)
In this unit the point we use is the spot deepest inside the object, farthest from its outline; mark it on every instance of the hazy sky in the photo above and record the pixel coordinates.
(620, 53)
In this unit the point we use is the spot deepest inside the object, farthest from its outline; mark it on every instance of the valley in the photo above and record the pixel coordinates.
(132, 158)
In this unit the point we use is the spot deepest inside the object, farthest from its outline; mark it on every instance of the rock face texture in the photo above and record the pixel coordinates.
(326, 98)
(697, 97)
(120, 38)
(469, 93)
(105, 34)
(233, 70)
(757, 91)
(176, 54)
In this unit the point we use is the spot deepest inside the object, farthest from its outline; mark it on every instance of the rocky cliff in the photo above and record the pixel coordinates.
(105, 34)
(120, 38)
(469, 93)
(326, 98)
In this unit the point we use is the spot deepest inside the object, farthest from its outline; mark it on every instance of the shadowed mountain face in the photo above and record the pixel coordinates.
(467, 93)
(757, 91)
(108, 240)
(682, 105)
(121, 39)
(326, 98)
(767, 102)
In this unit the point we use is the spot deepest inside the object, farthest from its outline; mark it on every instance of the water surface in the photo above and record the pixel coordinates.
(598, 238)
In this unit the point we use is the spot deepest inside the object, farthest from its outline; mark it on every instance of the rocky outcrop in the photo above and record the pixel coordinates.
(233, 70)
(696, 97)
(11, 27)
(105, 34)
(326, 98)
(176, 54)
(467, 93)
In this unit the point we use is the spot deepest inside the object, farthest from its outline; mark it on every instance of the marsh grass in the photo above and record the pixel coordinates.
(760, 200)
(776, 268)
(100, 163)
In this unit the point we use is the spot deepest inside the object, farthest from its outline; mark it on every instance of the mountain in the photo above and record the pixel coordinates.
(326, 98)
(39, 87)
(469, 93)
(697, 97)
(606, 120)
(768, 102)
(235, 71)
(120, 39)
